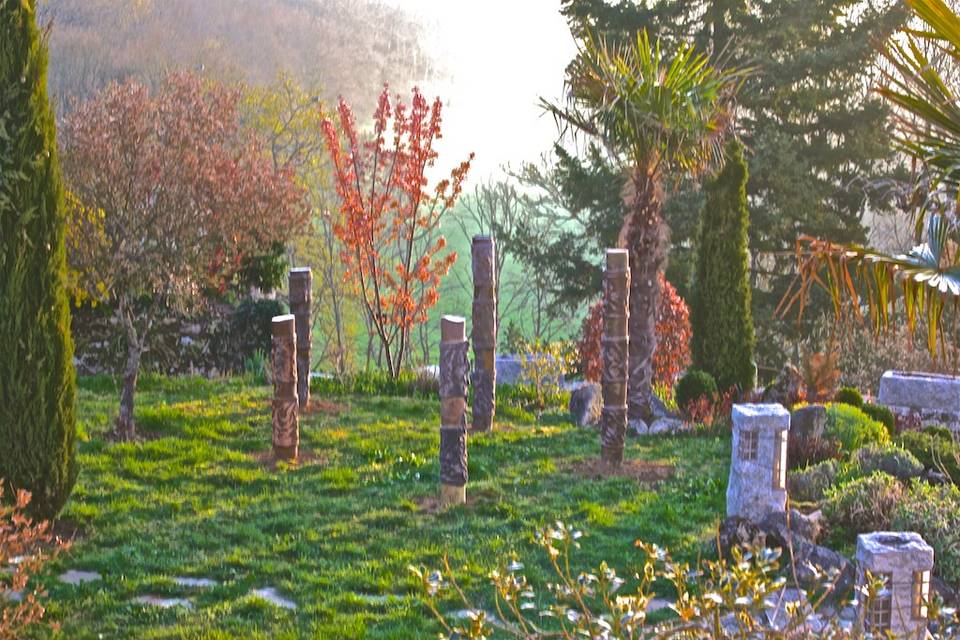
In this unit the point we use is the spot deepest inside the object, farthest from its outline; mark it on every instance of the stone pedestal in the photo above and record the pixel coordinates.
(905, 561)
(286, 406)
(301, 299)
(484, 336)
(454, 372)
(758, 469)
(934, 397)
(615, 345)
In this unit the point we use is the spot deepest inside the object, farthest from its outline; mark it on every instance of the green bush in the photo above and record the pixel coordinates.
(250, 330)
(892, 460)
(811, 484)
(37, 379)
(723, 336)
(934, 513)
(881, 414)
(849, 395)
(939, 431)
(862, 505)
(694, 385)
(853, 428)
(933, 452)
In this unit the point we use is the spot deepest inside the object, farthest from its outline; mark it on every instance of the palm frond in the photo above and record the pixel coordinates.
(647, 105)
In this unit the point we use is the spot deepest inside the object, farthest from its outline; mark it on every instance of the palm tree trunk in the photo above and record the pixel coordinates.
(644, 235)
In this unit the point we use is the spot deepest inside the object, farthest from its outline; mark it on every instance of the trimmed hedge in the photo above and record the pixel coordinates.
(694, 385)
(853, 428)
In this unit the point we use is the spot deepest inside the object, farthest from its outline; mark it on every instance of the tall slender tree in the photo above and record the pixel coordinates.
(658, 115)
(37, 379)
(723, 337)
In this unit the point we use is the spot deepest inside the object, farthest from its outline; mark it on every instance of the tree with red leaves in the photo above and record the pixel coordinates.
(673, 338)
(390, 220)
(170, 194)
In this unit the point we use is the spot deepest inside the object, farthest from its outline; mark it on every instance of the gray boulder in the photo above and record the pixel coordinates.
(586, 404)
(666, 425)
(740, 532)
(809, 421)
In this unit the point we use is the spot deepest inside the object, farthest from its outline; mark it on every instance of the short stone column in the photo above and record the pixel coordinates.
(615, 344)
(905, 561)
(758, 469)
(454, 372)
(286, 406)
(301, 299)
(484, 335)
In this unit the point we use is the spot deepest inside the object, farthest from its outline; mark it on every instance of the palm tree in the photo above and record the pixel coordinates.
(657, 116)
(927, 120)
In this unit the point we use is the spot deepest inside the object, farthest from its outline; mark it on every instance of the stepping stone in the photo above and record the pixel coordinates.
(204, 583)
(164, 603)
(656, 604)
(12, 596)
(374, 599)
(79, 577)
(272, 596)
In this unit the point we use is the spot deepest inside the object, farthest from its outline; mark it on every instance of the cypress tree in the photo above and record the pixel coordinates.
(37, 378)
(723, 338)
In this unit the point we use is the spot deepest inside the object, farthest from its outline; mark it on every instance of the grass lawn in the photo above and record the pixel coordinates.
(336, 536)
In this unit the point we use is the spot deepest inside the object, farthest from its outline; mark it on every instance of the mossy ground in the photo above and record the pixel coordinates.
(337, 536)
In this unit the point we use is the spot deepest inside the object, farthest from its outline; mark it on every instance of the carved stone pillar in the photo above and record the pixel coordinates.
(484, 380)
(301, 297)
(286, 429)
(454, 371)
(615, 341)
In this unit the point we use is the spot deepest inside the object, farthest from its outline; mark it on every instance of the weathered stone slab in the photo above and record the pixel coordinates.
(271, 595)
(934, 397)
(163, 602)
(202, 583)
(79, 577)
(757, 484)
(906, 561)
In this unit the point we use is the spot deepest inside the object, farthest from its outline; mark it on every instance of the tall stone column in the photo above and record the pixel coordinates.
(484, 335)
(615, 342)
(286, 406)
(454, 372)
(301, 297)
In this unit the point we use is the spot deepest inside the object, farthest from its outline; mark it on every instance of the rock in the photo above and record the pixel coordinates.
(164, 603)
(666, 426)
(935, 477)
(586, 404)
(808, 421)
(802, 527)
(79, 577)
(776, 608)
(945, 591)
(808, 556)
(637, 427)
(740, 532)
(757, 482)
(787, 388)
(935, 398)
(272, 596)
(659, 410)
(204, 583)
(509, 369)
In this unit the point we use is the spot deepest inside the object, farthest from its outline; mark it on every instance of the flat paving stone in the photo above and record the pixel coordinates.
(204, 583)
(12, 596)
(79, 577)
(271, 595)
(163, 602)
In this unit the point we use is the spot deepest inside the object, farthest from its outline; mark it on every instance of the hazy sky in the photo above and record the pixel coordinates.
(499, 57)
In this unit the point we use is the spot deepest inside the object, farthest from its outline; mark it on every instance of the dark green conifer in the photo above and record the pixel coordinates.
(37, 379)
(723, 338)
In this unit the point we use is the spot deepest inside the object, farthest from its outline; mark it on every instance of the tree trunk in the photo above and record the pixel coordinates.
(125, 429)
(615, 342)
(644, 236)
(484, 379)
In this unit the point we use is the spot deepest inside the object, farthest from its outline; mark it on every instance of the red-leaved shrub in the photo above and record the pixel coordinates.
(25, 546)
(673, 338)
